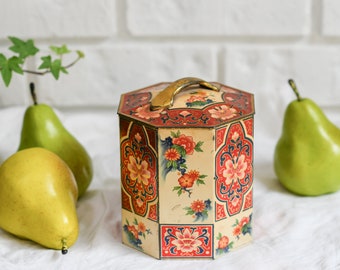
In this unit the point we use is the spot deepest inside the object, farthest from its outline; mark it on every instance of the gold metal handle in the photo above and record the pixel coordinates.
(165, 98)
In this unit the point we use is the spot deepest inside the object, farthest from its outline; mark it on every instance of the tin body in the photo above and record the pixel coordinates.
(187, 171)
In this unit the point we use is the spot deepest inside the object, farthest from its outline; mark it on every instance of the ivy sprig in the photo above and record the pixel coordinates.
(24, 49)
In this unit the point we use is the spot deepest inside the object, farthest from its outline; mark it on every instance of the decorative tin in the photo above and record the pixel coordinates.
(186, 168)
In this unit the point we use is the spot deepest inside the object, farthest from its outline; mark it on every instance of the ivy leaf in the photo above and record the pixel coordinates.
(14, 64)
(80, 54)
(6, 72)
(46, 64)
(60, 50)
(55, 68)
(23, 48)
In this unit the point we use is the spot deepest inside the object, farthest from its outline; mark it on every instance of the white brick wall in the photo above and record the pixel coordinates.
(255, 45)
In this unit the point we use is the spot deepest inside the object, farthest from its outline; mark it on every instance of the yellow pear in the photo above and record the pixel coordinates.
(38, 196)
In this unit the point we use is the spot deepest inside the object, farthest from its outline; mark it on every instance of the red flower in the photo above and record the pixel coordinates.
(186, 142)
(198, 206)
(223, 242)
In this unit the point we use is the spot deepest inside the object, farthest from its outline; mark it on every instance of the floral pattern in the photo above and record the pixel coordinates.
(145, 112)
(223, 112)
(233, 167)
(223, 245)
(135, 231)
(139, 172)
(199, 209)
(176, 148)
(186, 241)
(198, 99)
(242, 227)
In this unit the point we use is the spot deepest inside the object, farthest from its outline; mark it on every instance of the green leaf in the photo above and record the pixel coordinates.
(63, 70)
(80, 54)
(60, 50)
(176, 188)
(55, 68)
(3, 60)
(6, 72)
(200, 182)
(14, 64)
(23, 48)
(202, 176)
(46, 64)
(175, 135)
(180, 149)
(198, 147)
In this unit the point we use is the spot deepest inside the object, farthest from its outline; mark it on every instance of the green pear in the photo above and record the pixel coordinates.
(307, 155)
(42, 128)
(38, 196)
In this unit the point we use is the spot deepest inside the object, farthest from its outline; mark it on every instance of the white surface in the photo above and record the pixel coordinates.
(289, 232)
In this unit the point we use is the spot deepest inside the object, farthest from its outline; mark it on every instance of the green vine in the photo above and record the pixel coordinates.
(24, 49)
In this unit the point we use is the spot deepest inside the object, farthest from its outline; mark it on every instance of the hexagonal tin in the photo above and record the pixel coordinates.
(187, 169)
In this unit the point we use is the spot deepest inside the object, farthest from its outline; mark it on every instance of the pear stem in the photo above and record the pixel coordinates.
(64, 249)
(293, 86)
(34, 96)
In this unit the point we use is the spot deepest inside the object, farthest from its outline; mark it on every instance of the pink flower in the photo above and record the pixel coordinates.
(244, 221)
(186, 241)
(223, 242)
(223, 112)
(146, 113)
(235, 169)
(139, 170)
(186, 142)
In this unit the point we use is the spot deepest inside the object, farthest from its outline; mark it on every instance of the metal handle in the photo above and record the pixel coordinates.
(165, 98)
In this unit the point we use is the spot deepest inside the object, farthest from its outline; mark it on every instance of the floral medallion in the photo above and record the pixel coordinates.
(234, 166)
(139, 171)
(186, 241)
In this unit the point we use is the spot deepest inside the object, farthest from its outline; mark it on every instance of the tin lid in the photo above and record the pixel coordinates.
(187, 102)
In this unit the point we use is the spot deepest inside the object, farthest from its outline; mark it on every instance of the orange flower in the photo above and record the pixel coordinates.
(198, 206)
(223, 242)
(172, 154)
(133, 230)
(194, 174)
(141, 227)
(237, 230)
(185, 181)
